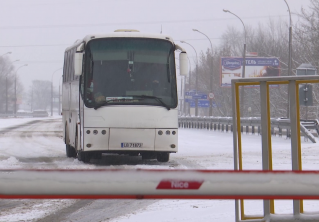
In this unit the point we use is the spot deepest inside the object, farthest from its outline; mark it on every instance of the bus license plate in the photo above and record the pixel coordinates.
(132, 145)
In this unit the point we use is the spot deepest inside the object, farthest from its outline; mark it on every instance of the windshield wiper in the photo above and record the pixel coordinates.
(152, 97)
(107, 101)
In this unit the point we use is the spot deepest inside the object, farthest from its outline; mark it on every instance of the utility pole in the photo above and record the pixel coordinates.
(289, 55)
(244, 61)
(190, 85)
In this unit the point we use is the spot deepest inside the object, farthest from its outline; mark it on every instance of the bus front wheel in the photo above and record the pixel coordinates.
(162, 157)
(70, 151)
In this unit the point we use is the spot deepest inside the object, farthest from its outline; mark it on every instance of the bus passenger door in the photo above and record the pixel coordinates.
(81, 120)
(66, 109)
(74, 109)
(71, 134)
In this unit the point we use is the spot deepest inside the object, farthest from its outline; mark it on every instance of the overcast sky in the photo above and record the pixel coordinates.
(38, 31)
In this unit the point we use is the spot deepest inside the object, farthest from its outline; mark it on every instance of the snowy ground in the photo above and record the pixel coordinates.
(198, 149)
(214, 150)
(8, 122)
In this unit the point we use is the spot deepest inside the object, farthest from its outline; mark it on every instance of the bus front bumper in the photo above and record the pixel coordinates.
(130, 139)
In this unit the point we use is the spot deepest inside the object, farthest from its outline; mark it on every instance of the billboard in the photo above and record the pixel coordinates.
(231, 68)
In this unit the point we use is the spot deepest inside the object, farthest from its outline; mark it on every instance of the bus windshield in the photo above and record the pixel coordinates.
(129, 71)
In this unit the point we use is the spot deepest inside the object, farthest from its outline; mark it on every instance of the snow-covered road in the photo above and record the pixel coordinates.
(37, 144)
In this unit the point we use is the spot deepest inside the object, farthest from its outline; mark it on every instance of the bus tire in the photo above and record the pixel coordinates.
(70, 151)
(162, 157)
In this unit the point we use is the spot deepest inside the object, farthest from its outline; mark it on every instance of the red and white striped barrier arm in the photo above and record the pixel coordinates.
(158, 184)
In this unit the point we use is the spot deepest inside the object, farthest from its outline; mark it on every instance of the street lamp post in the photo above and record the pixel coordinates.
(289, 54)
(189, 84)
(15, 90)
(52, 90)
(244, 58)
(290, 42)
(196, 78)
(244, 54)
(211, 75)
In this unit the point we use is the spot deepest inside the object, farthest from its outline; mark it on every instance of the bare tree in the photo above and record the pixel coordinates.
(306, 48)
(269, 40)
(7, 84)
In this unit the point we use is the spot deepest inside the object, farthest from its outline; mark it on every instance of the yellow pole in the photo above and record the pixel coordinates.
(272, 202)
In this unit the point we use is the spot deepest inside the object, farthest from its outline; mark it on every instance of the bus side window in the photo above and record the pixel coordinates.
(64, 68)
(82, 85)
(72, 64)
(69, 66)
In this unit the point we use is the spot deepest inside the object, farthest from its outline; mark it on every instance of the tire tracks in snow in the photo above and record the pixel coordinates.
(83, 210)
(97, 210)
(104, 210)
(33, 137)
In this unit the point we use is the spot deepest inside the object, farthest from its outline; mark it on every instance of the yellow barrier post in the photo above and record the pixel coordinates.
(293, 87)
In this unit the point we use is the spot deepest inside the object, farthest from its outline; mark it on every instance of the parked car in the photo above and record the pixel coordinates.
(40, 113)
(24, 113)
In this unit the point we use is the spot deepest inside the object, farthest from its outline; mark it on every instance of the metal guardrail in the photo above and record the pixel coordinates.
(17, 115)
(11, 115)
(279, 126)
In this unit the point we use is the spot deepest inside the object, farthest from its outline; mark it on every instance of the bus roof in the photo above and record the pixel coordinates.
(120, 34)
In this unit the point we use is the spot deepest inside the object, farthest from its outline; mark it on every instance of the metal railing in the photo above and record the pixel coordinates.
(24, 114)
(9, 115)
(279, 126)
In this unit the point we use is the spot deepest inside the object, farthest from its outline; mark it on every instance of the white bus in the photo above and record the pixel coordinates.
(120, 95)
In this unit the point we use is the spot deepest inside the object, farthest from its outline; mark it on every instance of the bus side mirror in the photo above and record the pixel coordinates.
(78, 58)
(183, 64)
